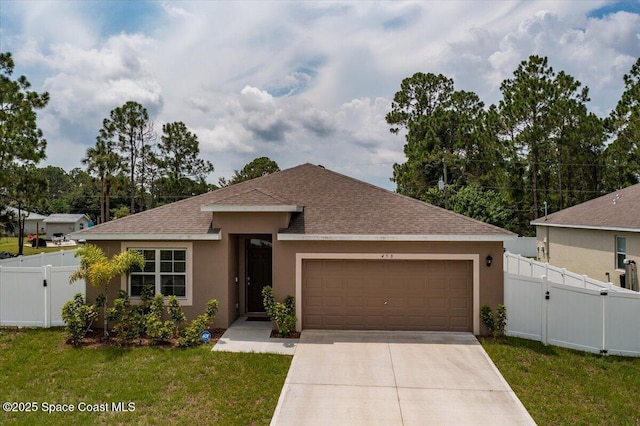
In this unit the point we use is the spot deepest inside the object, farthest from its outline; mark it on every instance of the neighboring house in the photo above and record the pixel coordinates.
(32, 221)
(65, 223)
(595, 237)
(353, 255)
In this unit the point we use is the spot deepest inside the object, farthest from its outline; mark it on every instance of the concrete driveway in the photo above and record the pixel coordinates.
(395, 378)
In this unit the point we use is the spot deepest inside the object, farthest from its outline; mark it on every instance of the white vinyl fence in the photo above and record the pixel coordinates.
(33, 296)
(557, 307)
(58, 258)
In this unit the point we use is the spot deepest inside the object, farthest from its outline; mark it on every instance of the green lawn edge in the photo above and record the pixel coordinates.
(165, 385)
(561, 386)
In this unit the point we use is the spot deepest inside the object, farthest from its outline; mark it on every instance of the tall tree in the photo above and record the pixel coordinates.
(182, 171)
(545, 121)
(256, 168)
(103, 162)
(129, 129)
(622, 156)
(27, 188)
(447, 136)
(178, 153)
(21, 141)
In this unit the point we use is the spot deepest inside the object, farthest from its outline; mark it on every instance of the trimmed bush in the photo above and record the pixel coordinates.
(283, 314)
(78, 317)
(191, 334)
(129, 321)
(495, 323)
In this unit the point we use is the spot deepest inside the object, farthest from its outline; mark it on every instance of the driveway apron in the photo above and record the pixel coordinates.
(395, 378)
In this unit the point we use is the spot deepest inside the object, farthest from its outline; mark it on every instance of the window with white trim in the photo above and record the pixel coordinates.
(165, 269)
(621, 251)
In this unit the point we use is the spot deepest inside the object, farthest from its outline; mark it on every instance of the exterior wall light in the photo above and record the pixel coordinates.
(489, 260)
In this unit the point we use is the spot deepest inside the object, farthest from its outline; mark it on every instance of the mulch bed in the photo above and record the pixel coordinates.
(95, 339)
(293, 335)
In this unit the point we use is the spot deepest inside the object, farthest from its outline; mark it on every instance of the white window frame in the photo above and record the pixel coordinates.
(619, 252)
(150, 245)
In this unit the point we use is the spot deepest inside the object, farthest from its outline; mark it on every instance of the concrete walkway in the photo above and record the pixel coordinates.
(395, 378)
(253, 336)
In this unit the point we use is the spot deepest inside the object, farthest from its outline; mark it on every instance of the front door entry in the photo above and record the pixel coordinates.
(258, 271)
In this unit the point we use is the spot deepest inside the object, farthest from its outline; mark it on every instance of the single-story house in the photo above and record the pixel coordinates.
(353, 255)
(32, 222)
(595, 237)
(65, 223)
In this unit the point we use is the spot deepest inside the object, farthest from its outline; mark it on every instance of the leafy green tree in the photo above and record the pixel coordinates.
(545, 122)
(182, 172)
(21, 141)
(178, 153)
(54, 199)
(103, 162)
(258, 167)
(83, 195)
(485, 205)
(449, 136)
(128, 129)
(120, 212)
(26, 189)
(622, 156)
(97, 270)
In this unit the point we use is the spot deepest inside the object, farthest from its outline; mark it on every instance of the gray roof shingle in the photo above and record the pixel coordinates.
(617, 210)
(334, 204)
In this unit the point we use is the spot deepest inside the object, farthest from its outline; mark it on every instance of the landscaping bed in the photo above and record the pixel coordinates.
(95, 338)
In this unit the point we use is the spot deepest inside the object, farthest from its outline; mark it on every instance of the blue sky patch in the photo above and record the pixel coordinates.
(631, 6)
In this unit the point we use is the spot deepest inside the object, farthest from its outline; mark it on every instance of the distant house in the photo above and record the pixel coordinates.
(32, 221)
(65, 223)
(595, 237)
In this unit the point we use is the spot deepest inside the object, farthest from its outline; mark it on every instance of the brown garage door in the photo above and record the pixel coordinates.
(431, 295)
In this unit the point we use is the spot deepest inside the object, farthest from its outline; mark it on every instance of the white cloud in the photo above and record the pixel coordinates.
(299, 81)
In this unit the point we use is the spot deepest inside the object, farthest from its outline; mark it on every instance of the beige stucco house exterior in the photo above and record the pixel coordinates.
(353, 255)
(595, 237)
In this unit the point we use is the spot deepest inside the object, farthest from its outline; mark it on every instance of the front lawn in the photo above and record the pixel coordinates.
(10, 245)
(165, 386)
(564, 387)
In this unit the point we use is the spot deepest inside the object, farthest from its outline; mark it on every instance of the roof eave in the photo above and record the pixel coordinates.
(212, 236)
(251, 209)
(592, 227)
(391, 237)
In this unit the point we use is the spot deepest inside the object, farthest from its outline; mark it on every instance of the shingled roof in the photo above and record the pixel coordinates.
(617, 211)
(324, 204)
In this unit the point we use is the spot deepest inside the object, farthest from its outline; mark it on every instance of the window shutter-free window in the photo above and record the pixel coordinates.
(165, 270)
(621, 251)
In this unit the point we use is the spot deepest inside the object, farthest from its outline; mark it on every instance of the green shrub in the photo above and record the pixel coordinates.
(191, 333)
(497, 323)
(129, 323)
(156, 329)
(146, 298)
(78, 317)
(283, 314)
(175, 311)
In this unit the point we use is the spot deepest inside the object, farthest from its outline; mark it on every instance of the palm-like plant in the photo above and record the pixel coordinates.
(98, 270)
(103, 162)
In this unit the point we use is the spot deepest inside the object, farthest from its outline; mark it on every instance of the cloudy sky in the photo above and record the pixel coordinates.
(295, 81)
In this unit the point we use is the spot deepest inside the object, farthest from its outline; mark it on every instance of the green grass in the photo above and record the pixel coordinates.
(565, 387)
(10, 245)
(167, 385)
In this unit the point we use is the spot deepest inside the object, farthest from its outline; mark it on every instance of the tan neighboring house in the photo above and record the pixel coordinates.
(353, 255)
(595, 237)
